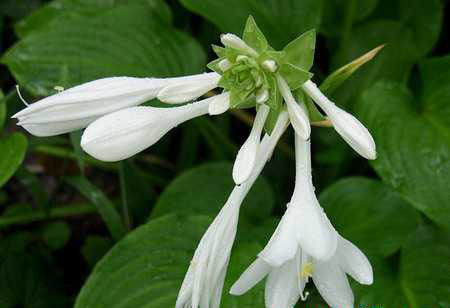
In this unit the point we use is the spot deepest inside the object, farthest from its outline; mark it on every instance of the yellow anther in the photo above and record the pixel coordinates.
(58, 88)
(307, 270)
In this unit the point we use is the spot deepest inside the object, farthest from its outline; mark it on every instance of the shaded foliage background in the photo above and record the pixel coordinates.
(76, 231)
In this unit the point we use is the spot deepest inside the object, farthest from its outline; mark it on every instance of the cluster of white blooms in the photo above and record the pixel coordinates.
(305, 244)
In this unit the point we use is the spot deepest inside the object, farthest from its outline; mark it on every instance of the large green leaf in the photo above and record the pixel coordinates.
(58, 11)
(419, 279)
(281, 21)
(205, 189)
(413, 147)
(147, 267)
(369, 214)
(123, 40)
(12, 153)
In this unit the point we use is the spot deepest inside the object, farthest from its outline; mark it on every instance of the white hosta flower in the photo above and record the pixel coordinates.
(76, 107)
(297, 114)
(304, 224)
(203, 283)
(123, 133)
(352, 130)
(182, 92)
(285, 283)
(246, 157)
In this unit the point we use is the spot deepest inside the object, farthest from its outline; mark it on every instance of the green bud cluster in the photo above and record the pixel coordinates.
(250, 77)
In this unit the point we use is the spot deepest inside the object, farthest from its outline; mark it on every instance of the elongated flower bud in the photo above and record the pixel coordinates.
(219, 104)
(352, 130)
(76, 107)
(182, 92)
(235, 42)
(126, 132)
(297, 114)
(245, 159)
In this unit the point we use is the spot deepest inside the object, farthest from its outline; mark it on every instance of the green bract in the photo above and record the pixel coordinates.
(249, 76)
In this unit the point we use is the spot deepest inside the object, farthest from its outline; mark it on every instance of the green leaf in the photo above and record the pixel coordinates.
(243, 255)
(205, 189)
(31, 183)
(369, 214)
(12, 153)
(336, 13)
(280, 20)
(300, 52)
(413, 147)
(124, 40)
(425, 268)
(335, 79)
(58, 11)
(294, 75)
(147, 267)
(419, 279)
(27, 280)
(104, 206)
(253, 36)
(56, 234)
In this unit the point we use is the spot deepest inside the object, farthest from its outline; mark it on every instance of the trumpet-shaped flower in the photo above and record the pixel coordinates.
(285, 283)
(203, 283)
(304, 224)
(76, 107)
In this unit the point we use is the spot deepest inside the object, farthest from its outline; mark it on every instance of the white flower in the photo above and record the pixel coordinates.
(203, 283)
(353, 131)
(219, 104)
(304, 224)
(285, 283)
(123, 133)
(246, 157)
(235, 42)
(76, 107)
(297, 114)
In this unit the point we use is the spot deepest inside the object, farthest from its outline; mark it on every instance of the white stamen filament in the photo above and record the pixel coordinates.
(20, 96)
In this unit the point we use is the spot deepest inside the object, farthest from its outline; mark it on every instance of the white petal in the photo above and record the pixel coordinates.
(282, 286)
(315, 233)
(283, 244)
(124, 133)
(235, 42)
(217, 295)
(354, 262)
(332, 284)
(177, 93)
(219, 104)
(56, 128)
(252, 275)
(297, 114)
(246, 157)
(350, 129)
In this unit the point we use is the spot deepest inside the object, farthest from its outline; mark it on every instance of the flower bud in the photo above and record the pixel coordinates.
(122, 134)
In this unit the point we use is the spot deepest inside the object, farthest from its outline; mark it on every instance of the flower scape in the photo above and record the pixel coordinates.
(250, 74)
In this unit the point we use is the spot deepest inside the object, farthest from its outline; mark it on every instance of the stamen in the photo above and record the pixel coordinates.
(58, 88)
(270, 65)
(20, 96)
(307, 270)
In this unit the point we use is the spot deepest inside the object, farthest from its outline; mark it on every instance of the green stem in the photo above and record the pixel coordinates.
(56, 212)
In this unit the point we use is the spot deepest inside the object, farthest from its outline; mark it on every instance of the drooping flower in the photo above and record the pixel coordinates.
(203, 283)
(77, 107)
(285, 283)
(304, 224)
